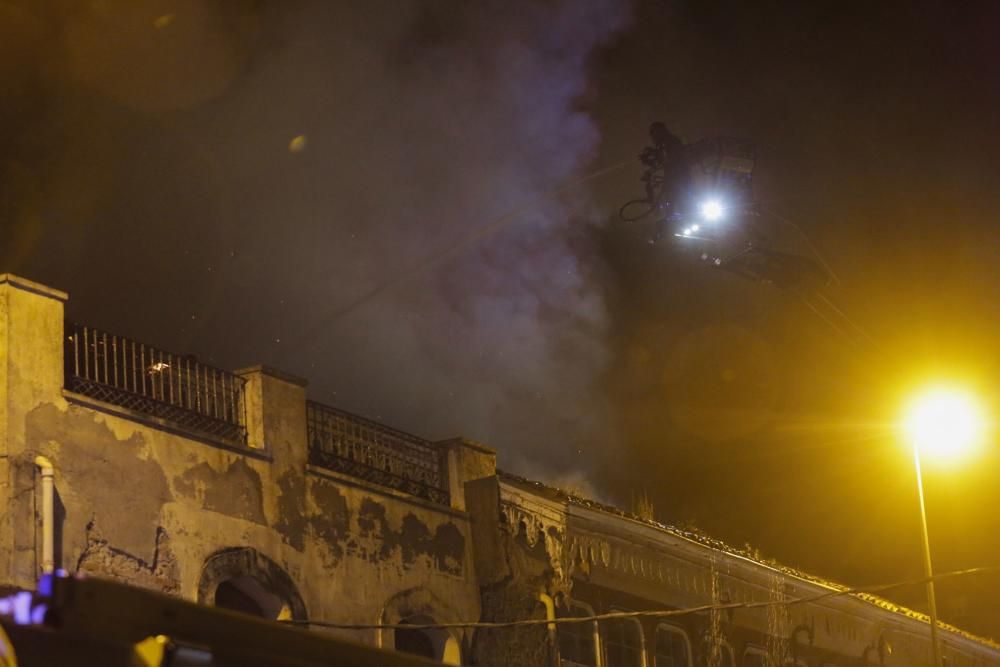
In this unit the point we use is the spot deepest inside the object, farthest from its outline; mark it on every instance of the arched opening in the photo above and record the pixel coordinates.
(416, 641)
(434, 643)
(419, 607)
(578, 642)
(249, 596)
(452, 654)
(243, 580)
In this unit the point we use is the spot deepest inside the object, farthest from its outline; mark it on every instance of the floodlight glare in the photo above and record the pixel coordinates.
(944, 422)
(712, 210)
(695, 228)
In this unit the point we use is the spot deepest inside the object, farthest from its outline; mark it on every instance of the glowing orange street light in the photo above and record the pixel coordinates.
(942, 423)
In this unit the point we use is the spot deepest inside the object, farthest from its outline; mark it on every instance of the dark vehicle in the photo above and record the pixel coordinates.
(84, 621)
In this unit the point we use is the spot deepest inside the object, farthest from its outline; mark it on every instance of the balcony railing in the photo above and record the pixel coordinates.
(377, 454)
(146, 379)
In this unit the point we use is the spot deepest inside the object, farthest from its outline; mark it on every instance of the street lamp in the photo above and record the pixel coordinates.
(942, 423)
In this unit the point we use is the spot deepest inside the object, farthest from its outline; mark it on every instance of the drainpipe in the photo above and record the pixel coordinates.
(550, 615)
(48, 513)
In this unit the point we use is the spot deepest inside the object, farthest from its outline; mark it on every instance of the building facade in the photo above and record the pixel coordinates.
(125, 461)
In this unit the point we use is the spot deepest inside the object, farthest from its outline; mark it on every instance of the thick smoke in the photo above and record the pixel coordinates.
(224, 182)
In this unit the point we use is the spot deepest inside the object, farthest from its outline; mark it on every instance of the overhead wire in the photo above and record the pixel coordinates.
(853, 333)
(829, 322)
(854, 325)
(657, 613)
(805, 237)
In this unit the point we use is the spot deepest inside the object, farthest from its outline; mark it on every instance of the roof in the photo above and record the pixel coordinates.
(748, 552)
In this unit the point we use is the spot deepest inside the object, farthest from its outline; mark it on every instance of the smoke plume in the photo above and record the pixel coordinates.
(224, 181)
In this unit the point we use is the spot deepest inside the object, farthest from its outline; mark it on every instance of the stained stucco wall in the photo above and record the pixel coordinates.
(151, 508)
(144, 504)
(31, 317)
(516, 573)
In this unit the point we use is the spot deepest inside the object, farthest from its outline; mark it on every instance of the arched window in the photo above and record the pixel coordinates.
(416, 641)
(577, 641)
(248, 595)
(243, 580)
(622, 641)
(754, 657)
(726, 655)
(673, 649)
(434, 643)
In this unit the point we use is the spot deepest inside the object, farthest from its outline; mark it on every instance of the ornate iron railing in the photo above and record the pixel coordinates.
(375, 453)
(146, 379)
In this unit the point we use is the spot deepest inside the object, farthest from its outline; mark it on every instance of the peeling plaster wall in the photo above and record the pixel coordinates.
(236, 491)
(140, 503)
(514, 569)
(31, 367)
(529, 538)
(149, 507)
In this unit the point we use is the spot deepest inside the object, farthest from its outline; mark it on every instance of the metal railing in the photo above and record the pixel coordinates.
(146, 379)
(375, 453)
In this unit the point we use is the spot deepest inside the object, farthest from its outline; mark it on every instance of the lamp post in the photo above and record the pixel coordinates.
(928, 568)
(941, 422)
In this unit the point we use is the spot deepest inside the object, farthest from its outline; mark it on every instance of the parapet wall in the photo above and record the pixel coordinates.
(154, 501)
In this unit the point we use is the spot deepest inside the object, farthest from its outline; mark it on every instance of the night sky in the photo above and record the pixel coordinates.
(395, 200)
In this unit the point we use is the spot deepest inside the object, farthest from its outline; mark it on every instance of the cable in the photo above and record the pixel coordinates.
(859, 331)
(805, 237)
(840, 331)
(650, 207)
(665, 613)
(857, 327)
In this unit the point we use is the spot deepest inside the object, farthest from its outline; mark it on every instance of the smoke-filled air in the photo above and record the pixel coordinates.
(327, 187)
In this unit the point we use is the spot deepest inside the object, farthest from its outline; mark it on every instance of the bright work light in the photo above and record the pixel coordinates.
(711, 210)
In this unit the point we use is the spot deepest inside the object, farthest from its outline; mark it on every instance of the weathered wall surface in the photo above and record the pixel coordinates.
(31, 317)
(515, 572)
(143, 504)
(150, 507)
(610, 562)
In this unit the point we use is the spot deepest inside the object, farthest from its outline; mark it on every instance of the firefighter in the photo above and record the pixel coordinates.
(666, 176)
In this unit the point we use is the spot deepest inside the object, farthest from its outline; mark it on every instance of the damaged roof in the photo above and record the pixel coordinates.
(748, 552)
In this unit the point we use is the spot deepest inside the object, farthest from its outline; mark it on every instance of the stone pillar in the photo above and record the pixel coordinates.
(468, 460)
(276, 415)
(31, 374)
(482, 498)
(31, 354)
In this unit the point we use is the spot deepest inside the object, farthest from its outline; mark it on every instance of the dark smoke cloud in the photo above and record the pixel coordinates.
(222, 181)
